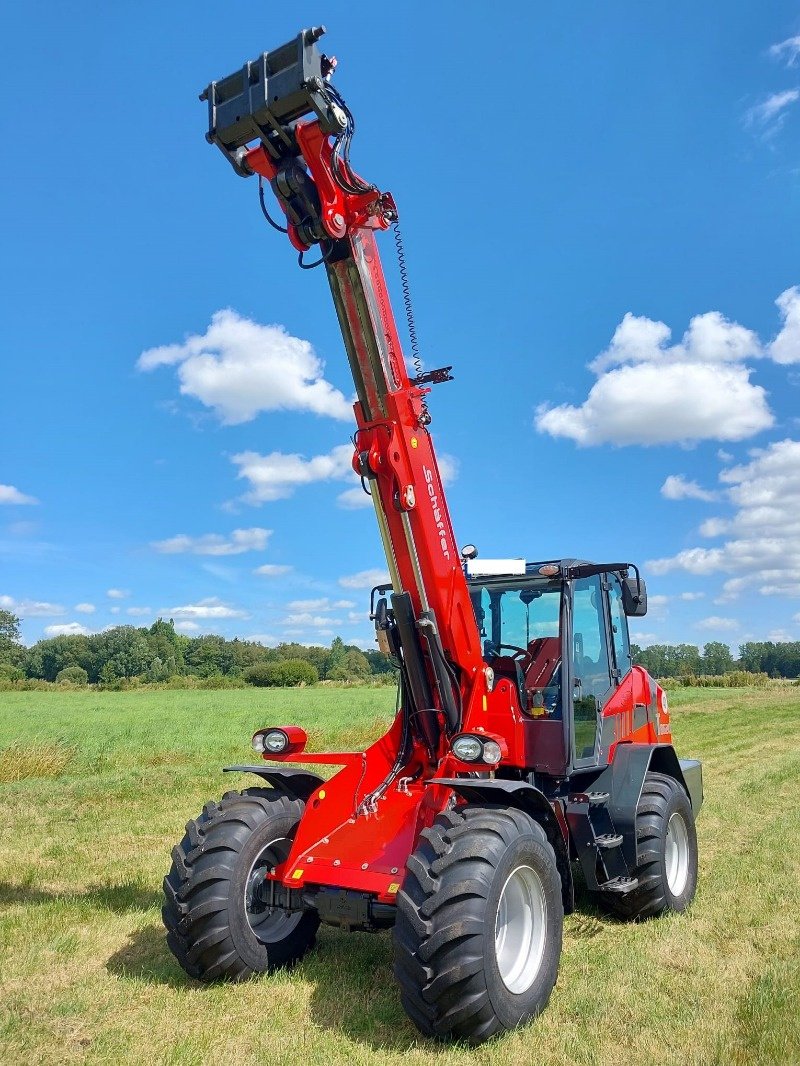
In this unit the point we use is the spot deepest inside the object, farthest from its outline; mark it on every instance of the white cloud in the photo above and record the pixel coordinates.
(354, 499)
(85, 608)
(267, 639)
(31, 608)
(240, 368)
(676, 487)
(763, 545)
(240, 540)
(768, 117)
(210, 607)
(649, 392)
(786, 346)
(787, 50)
(714, 527)
(365, 579)
(277, 475)
(321, 604)
(118, 594)
(12, 495)
(67, 629)
(272, 570)
(187, 627)
(717, 623)
(138, 612)
(307, 619)
(690, 596)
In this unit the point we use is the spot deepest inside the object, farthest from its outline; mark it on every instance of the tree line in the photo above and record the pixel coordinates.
(158, 653)
(774, 658)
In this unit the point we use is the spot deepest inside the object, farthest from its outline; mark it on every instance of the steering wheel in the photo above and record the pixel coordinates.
(513, 647)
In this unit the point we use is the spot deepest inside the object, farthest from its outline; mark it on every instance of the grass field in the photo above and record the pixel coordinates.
(96, 787)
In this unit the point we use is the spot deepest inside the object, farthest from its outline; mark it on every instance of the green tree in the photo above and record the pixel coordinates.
(11, 650)
(717, 658)
(72, 675)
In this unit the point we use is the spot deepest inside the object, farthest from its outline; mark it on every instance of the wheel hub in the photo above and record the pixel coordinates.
(520, 929)
(676, 854)
(268, 922)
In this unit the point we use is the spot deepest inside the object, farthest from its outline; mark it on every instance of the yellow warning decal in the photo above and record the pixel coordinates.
(395, 887)
(297, 875)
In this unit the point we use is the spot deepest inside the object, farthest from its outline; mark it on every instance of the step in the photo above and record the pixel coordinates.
(620, 884)
(608, 840)
(596, 799)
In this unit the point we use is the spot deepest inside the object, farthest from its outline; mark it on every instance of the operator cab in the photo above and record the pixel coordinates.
(558, 631)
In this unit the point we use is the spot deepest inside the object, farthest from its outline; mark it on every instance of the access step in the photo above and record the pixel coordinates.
(597, 799)
(620, 885)
(608, 840)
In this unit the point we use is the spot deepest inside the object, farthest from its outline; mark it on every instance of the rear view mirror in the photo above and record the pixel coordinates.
(634, 596)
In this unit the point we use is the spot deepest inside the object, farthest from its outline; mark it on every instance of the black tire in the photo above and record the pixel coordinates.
(661, 801)
(212, 929)
(446, 933)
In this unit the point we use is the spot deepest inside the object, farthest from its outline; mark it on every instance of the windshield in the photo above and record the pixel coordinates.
(514, 612)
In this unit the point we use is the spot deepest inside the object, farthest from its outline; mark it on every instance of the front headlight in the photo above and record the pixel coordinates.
(467, 749)
(275, 741)
(491, 751)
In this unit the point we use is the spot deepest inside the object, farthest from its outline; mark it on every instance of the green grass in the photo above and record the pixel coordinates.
(96, 787)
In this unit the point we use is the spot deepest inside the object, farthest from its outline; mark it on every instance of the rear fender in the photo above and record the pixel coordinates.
(533, 802)
(624, 779)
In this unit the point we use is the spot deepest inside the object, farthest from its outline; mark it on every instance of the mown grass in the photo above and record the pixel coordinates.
(97, 787)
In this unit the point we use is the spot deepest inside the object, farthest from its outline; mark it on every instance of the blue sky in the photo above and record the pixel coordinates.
(600, 212)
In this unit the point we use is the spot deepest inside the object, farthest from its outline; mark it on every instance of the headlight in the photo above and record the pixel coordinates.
(258, 742)
(275, 741)
(491, 751)
(468, 749)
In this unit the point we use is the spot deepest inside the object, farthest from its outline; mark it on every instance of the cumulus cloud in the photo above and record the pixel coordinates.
(12, 495)
(240, 368)
(323, 603)
(277, 475)
(85, 608)
(762, 548)
(67, 629)
(211, 607)
(272, 570)
(677, 487)
(768, 117)
(651, 392)
(717, 623)
(187, 627)
(240, 540)
(365, 579)
(118, 594)
(786, 51)
(304, 619)
(786, 346)
(31, 608)
(690, 596)
(138, 612)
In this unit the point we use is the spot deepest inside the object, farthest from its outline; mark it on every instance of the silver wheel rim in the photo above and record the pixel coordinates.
(520, 929)
(676, 854)
(269, 924)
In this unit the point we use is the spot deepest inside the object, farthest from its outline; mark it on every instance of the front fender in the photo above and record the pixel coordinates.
(296, 784)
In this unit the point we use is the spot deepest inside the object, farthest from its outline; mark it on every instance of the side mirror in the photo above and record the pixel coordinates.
(634, 596)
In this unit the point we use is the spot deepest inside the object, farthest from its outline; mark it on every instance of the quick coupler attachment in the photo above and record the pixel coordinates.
(262, 101)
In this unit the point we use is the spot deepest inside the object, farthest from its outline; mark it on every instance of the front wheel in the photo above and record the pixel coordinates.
(667, 840)
(479, 924)
(216, 910)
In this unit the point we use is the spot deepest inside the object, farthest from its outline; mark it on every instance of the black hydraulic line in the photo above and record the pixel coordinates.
(419, 685)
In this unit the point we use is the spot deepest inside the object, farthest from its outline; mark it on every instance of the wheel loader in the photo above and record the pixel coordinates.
(528, 754)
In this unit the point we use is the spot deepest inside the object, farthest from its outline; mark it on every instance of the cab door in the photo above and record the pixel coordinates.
(592, 667)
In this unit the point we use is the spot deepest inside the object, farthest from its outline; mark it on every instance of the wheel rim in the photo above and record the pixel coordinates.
(269, 924)
(676, 854)
(520, 929)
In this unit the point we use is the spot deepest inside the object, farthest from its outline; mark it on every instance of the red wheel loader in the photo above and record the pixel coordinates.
(526, 748)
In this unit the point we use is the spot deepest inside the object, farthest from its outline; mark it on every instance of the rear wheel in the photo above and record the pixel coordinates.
(667, 840)
(479, 924)
(219, 923)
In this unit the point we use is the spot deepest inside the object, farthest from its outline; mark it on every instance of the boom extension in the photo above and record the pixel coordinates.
(285, 102)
